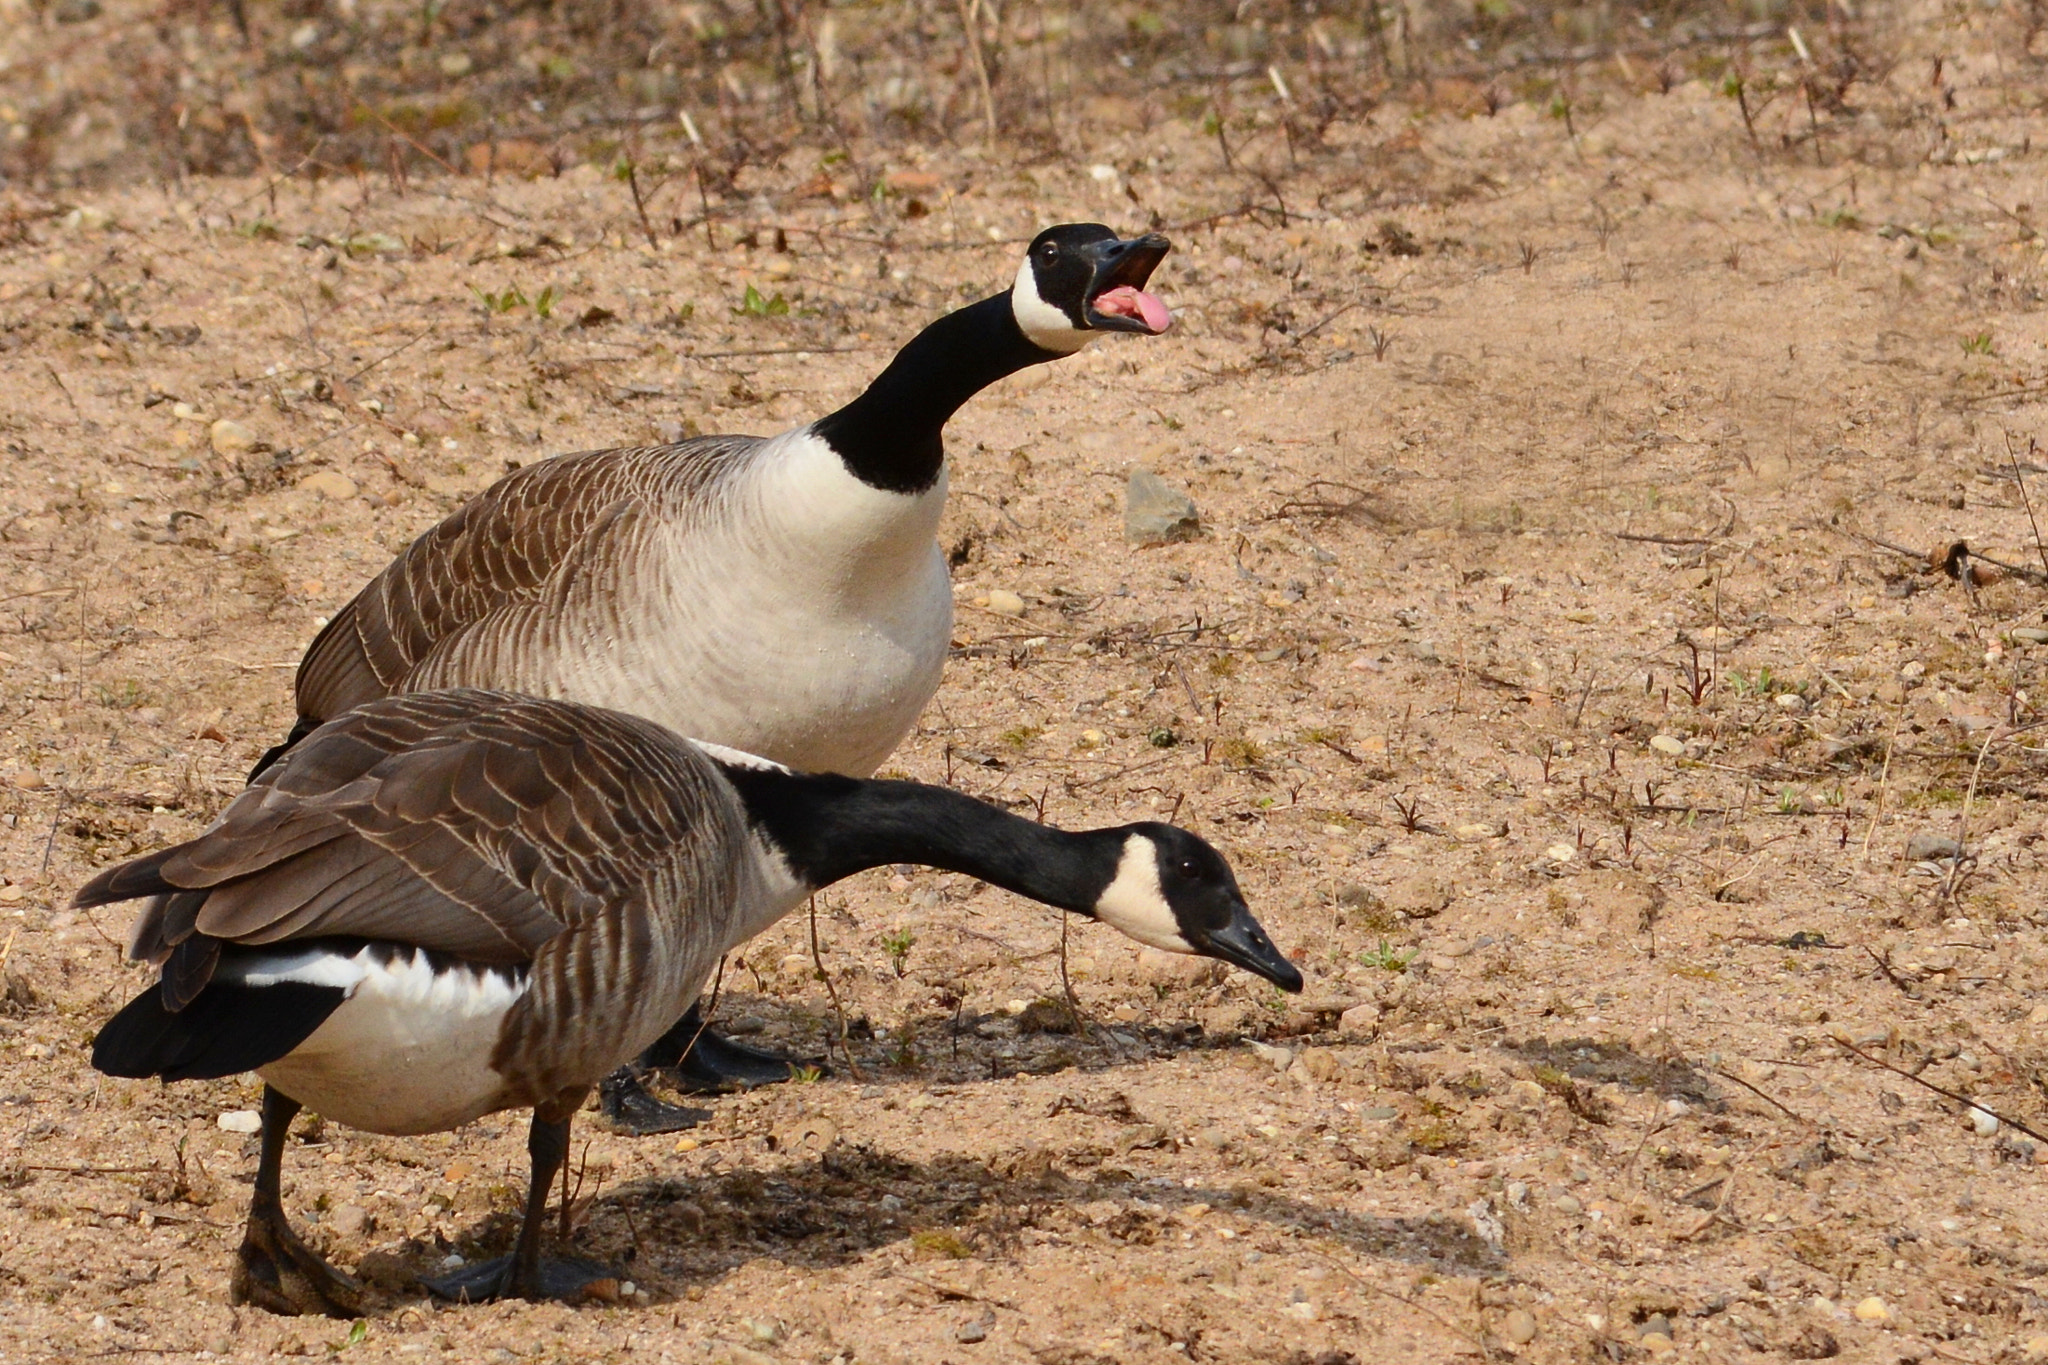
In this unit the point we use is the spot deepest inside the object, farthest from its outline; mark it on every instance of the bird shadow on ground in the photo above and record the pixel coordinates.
(675, 1232)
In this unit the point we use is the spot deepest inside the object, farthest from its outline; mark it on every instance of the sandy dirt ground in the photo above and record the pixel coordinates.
(1560, 663)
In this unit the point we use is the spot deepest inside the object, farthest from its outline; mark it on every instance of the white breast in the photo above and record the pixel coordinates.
(408, 1051)
(804, 617)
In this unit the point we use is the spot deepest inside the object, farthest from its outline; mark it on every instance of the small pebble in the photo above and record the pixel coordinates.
(1791, 703)
(1983, 1121)
(231, 438)
(1003, 602)
(1359, 1021)
(1928, 846)
(1155, 512)
(2036, 1348)
(329, 483)
(1519, 1327)
(2032, 635)
(240, 1121)
(1873, 1310)
(1668, 744)
(1568, 1205)
(1656, 1343)
(1279, 1058)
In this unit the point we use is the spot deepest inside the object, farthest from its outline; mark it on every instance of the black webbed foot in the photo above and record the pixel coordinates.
(567, 1278)
(277, 1272)
(625, 1100)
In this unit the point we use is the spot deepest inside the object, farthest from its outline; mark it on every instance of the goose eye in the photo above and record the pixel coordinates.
(1049, 250)
(1187, 868)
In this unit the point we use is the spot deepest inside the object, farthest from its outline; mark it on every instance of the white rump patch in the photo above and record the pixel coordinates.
(1134, 902)
(1045, 326)
(740, 758)
(409, 1050)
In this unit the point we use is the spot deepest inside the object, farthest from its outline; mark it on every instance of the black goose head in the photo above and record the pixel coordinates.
(1173, 891)
(1080, 279)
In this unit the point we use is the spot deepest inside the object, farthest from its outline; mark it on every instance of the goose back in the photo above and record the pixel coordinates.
(510, 896)
(744, 589)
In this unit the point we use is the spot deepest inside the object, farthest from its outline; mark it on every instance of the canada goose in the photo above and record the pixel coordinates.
(783, 595)
(443, 904)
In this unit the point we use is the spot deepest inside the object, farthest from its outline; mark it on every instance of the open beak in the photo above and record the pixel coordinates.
(1117, 301)
(1242, 943)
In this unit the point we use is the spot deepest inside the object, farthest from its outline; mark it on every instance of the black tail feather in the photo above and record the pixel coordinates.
(230, 1028)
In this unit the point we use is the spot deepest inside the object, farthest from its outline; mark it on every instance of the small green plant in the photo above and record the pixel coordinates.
(1240, 752)
(806, 1075)
(512, 297)
(1388, 958)
(754, 305)
(125, 695)
(940, 1243)
(1223, 666)
(358, 1333)
(1790, 802)
(1761, 685)
(1980, 344)
(1162, 738)
(502, 302)
(1020, 735)
(897, 943)
(261, 230)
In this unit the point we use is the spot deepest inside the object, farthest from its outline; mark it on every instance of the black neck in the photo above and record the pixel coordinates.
(890, 436)
(829, 827)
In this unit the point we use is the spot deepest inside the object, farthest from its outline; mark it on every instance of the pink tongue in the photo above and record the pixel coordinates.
(1125, 301)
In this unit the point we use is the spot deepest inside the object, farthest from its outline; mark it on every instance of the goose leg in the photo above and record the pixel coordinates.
(526, 1274)
(274, 1269)
(701, 1062)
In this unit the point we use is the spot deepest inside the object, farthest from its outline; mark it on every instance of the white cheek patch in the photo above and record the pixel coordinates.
(1045, 326)
(1134, 903)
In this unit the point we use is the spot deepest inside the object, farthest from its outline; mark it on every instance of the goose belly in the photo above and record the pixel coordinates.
(409, 1049)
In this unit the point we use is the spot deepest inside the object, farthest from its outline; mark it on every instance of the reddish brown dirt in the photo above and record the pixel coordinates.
(1538, 667)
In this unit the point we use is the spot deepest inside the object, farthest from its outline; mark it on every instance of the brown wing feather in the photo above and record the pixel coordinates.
(503, 548)
(492, 826)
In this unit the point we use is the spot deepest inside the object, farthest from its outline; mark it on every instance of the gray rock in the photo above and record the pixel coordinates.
(1927, 847)
(1156, 512)
(1419, 895)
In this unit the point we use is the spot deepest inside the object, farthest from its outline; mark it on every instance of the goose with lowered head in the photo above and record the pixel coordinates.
(444, 904)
